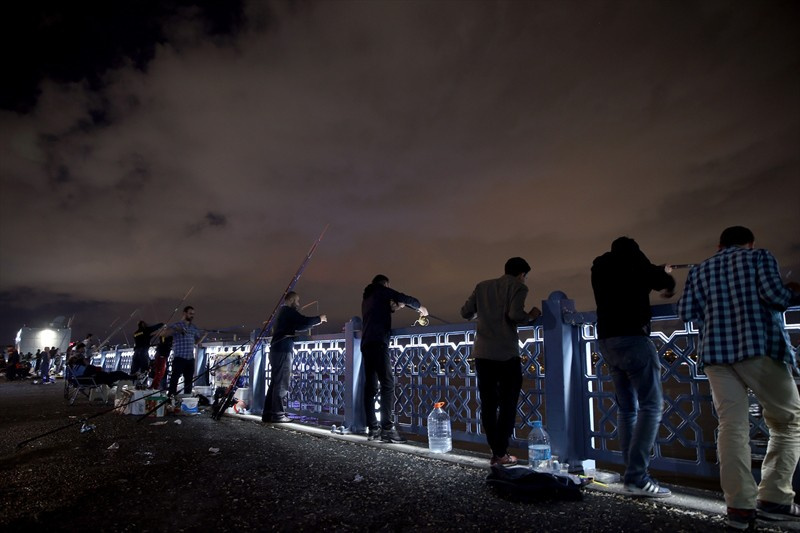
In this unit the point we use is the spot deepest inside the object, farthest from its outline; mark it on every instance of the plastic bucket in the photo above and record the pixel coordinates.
(189, 405)
(151, 403)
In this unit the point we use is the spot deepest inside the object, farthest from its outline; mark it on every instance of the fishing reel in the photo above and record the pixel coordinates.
(422, 321)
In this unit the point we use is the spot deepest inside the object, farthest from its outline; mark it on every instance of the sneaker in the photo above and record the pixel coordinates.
(392, 435)
(742, 519)
(279, 419)
(506, 460)
(649, 488)
(374, 434)
(776, 511)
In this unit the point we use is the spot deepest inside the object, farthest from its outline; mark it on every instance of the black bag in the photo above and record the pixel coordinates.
(520, 483)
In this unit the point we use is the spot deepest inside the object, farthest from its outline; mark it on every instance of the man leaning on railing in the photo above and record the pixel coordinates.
(737, 297)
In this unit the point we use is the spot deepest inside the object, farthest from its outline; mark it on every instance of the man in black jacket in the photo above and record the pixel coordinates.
(377, 307)
(140, 364)
(281, 352)
(622, 280)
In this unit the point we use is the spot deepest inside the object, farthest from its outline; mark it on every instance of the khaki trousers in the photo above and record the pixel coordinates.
(772, 383)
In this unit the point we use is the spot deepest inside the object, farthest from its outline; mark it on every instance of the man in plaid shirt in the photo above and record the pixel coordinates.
(185, 336)
(736, 297)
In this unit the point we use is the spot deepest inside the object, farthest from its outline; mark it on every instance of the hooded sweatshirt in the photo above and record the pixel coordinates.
(622, 280)
(376, 311)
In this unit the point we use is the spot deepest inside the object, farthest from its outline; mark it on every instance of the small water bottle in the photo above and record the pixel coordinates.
(440, 437)
(539, 455)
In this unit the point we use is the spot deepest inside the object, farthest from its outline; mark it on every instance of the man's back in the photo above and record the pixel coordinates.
(499, 304)
(376, 311)
(622, 280)
(737, 296)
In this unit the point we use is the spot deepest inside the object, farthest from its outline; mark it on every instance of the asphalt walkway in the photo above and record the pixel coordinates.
(191, 473)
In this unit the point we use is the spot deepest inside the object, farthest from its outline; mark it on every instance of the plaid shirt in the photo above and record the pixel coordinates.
(183, 339)
(736, 297)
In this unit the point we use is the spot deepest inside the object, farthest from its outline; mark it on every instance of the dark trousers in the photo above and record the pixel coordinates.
(181, 367)
(141, 360)
(277, 397)
(159, 371)
(102, 377)
(378, 373)
(499, 383)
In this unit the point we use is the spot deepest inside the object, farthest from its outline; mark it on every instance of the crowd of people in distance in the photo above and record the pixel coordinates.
(44, 365)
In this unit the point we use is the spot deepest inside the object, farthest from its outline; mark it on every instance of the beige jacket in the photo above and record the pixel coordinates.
(499, 305)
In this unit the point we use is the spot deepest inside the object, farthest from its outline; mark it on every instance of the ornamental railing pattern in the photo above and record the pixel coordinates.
(565, 384)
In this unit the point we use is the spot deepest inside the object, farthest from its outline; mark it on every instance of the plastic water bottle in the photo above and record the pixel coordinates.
(539, 454)
(440, 437)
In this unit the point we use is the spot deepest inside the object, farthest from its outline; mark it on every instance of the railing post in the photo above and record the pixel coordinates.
(117, 359)
(565, 422)
(258, 379)
(354, 416)
(201, 367)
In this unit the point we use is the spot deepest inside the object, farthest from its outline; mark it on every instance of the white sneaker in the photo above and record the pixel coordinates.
(649, 489)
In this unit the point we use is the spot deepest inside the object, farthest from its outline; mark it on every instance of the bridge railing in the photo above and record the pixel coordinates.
(565, 384)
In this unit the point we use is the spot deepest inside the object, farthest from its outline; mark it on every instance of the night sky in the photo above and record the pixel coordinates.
(152, 146)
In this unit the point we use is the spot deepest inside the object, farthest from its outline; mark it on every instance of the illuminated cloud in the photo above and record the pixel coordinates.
(437, 139)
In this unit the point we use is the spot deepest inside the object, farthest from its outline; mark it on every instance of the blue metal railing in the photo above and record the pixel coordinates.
(565, 384)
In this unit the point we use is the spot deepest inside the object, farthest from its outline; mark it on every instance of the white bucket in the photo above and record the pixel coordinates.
(189, 405)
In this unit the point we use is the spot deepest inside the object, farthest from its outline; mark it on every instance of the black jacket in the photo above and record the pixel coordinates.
(622, 281)
(287, 323)
(142, 336)
(376, 311)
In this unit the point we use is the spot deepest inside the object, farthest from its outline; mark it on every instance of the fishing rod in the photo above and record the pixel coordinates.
(309, 304)
(208, 369)
(668, 268)
(166, 322)
(88, 348)
(116, 330)
(228, 397)
(425, 320)
(83, 420)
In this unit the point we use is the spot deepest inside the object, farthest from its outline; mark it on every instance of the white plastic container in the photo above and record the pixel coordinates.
(205, 390)
(440, 436)
(539, 452)
(189, 405)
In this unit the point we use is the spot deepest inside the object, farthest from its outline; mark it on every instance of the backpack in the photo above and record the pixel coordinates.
(520, 483)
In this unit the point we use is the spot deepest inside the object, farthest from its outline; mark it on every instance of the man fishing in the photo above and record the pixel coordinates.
(281, 353)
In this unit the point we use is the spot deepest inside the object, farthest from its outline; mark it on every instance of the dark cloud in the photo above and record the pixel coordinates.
(210, 220)
(207, 144)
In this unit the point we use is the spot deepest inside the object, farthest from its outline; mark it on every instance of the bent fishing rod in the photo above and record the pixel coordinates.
(100, 346)
(167, 321)
(226, 400)
(83, 420)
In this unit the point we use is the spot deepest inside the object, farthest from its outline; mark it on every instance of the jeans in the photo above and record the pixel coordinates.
(772, 383)
(278, 391)
(44, 369)
(378, 371)
(636, 373)
(499, 383)
(185, 368)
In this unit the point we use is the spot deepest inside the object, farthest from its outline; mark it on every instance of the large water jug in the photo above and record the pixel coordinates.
(440, 437)
(539, 454)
